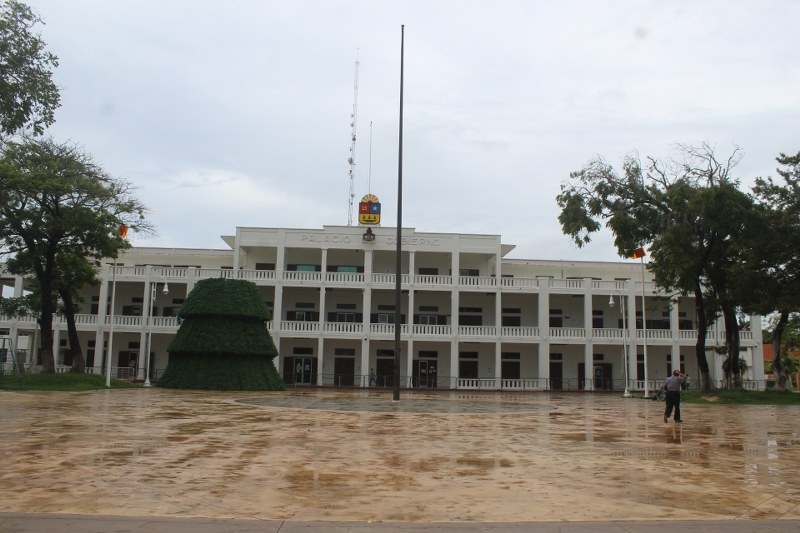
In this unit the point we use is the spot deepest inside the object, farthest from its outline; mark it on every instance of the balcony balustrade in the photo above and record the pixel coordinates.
(613, 336)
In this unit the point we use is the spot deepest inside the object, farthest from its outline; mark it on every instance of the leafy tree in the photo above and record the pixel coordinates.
(58, 217)
(690, 211)
(28, 95)
(222, 342)
(774, 260)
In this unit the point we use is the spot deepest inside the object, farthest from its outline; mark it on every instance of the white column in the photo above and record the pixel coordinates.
(633, 352)
(99, 337)
(674, 319)
(56, 342)
(453, 363)
(757, 364)
(146, 307)
(544, 328)
(588, 323)
(366, 306)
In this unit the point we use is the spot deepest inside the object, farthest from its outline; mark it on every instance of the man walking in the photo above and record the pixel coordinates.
(673, 385)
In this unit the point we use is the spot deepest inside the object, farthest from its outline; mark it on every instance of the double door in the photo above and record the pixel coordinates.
(424, 373)
(300, 370)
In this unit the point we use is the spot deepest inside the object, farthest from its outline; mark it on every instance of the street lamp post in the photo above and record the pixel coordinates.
(153, 287)
(627, 393)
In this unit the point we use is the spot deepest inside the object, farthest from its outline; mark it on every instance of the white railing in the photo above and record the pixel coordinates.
(476, 383)
(299, 326)
(433, 280)
(206, 273)
(257, 275)
(125, 320)
(567, 333)
(519, 332)
(566, 284)
(343, 327)
(350, 278)
(607, 333)
(520, 283)
(655, 334)
(165, 322)
(477, 281)
(524, 384)
(423, 329)
(302, 276)
(477, 331)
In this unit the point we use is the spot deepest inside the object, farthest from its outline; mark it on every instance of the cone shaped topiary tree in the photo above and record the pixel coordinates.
(222, 342)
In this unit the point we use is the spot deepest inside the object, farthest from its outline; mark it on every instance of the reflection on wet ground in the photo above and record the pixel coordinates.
(449, 403)
(326, 455)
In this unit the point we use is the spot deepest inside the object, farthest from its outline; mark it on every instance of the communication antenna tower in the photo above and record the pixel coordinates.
(352, 159)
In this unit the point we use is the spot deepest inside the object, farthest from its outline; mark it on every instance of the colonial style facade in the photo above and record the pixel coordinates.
(471, 318)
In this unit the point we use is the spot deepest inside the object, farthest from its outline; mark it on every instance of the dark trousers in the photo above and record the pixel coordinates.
(673, 400)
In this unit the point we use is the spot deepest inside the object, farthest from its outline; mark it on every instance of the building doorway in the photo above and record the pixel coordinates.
(300, 370)
(344, 369)
(424, 373)
(556, 375)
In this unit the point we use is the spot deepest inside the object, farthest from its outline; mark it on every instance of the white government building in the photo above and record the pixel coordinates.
(471, 317)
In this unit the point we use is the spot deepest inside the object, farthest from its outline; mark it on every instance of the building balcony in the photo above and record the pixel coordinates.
(383, 331)
(377, 280)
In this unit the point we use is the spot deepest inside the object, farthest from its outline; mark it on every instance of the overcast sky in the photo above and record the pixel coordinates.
(237, 113)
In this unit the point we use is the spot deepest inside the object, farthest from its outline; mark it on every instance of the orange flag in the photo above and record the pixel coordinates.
(122, 230)
(639, 252)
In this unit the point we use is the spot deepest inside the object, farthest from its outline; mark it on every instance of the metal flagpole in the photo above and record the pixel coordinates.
(399, 262)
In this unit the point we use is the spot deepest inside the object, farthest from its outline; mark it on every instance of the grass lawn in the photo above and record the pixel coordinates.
(60, 382)
(742, 397)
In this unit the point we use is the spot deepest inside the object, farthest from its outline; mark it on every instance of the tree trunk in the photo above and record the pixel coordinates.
(702, 331)
(777, 337)
(78, 360)
(46, 328)
(732, 344)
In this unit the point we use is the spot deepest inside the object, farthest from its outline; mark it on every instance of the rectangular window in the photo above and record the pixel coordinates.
(265, 266)
(430, 320)
(468, 272)
(303, 350)
(382, 307)
(428, 308)
(598, 357)
(428, 271)
(306, 268)
(345, 306)
(131, 310)
(428, 354)
(344, 351)
(470, 320)
(385, 318)
(556, 320)
(384, 353)
(304, 305)
(510, 356)
(345, 317)
(467, 355)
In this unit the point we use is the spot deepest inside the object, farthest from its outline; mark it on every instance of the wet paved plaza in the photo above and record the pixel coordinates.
(358, 456)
